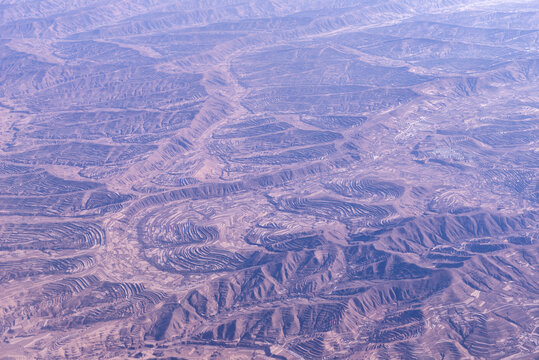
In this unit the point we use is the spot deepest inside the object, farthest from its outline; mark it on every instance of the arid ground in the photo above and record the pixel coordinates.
(269, 179)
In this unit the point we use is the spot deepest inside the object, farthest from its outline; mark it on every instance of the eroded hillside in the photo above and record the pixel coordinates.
(227, 179)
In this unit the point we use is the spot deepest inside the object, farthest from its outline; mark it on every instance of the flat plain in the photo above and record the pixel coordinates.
(269, 179)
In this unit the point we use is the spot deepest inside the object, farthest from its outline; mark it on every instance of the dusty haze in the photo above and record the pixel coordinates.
(268, 179)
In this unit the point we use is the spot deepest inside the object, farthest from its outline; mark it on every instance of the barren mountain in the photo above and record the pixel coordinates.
(269, 179)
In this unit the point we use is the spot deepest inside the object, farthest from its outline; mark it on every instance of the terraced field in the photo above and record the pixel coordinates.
(269, 179)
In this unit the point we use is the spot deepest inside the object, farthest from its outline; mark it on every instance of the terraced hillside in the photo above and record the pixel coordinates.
(269, 179)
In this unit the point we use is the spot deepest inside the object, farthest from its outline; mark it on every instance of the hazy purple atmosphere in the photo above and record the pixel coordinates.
(269, 179)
